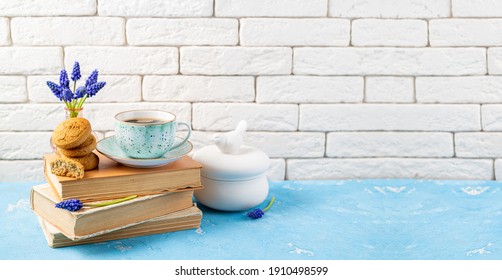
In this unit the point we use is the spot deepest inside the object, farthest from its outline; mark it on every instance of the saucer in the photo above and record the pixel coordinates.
(109, 148)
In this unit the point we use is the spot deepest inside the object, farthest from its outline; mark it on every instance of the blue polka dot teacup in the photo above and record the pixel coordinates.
(147, 133)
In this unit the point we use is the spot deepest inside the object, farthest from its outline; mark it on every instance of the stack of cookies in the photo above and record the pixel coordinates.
(75, 143)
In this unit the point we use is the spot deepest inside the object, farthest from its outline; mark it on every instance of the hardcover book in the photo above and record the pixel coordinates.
(181, 220)
(112, 180)
(90, 221)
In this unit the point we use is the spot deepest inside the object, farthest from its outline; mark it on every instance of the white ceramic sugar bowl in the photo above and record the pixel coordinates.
(233, 175)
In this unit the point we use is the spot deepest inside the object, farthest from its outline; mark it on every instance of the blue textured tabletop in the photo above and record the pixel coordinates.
(332, 220)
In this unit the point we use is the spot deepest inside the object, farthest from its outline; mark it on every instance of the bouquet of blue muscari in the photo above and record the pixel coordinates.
(74, 99)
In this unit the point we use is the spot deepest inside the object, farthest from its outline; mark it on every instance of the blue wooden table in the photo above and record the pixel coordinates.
(330, 220)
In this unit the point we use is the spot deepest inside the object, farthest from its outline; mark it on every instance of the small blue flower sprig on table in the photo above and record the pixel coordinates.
(74, 205)
(75, 99)
(258, 213)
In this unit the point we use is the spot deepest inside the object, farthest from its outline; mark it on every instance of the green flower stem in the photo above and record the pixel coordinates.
(81, 102)
(269, 204)
(110, 202)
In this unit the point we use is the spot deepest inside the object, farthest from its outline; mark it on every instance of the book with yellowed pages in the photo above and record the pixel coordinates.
(112, 180)
(90, 221)
(181, 220)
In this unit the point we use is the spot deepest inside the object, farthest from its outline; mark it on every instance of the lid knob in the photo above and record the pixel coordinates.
(230, 142)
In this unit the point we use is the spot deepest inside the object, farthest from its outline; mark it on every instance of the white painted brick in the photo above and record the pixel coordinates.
(477, 8)
(24, 145)
(102, 115)
(308, 89)
(465, 32)
(492, 117)
(30, 60)
(265, 117)
(390, 61)
(12, 89)
(25, 117)
(274, 144)
(446, 169)
(117, 89)
(270, 8)
(22, 171)
(156, 8)
(198, 88)
(277, 170)
(389, 32)
(498, 169)
(478, 145)
(235, 60)
(294, 32)
(403, 117)
(495, 61)
(4, 32)
(290, 144)
(483, 89)
(181, 32)
(389, 144)
(124, 60)
(47, 7)
(70, 31)
(389, 89)
(389, 8)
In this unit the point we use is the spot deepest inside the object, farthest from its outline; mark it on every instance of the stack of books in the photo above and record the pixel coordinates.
(163, 203)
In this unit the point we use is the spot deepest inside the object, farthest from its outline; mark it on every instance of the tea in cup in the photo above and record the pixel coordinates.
(147, 134)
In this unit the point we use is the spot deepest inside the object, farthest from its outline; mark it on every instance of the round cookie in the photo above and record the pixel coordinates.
(84, 149)
(89, 161)
(71, 133)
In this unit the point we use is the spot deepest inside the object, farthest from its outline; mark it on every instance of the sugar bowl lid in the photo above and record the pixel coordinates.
(229, 160)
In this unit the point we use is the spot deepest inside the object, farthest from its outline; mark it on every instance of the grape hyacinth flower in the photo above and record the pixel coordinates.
(64, 82)
(75, 204)
(258, 213)
(74, 99)
(70, 205)
(75, 74)
(92, 79)
(55, 89)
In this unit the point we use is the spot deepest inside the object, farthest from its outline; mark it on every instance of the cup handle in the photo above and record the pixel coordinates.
(186, 137)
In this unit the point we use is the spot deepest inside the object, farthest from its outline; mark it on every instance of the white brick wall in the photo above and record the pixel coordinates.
(390, 90)
(389, 8)
(390, 61)
(389, 32)
(389, 144)
(12, 89)
(155, 8)
(4, 32)
(124, 60)
(476, 8)
(86, 31)
(47, 7)
(270, 8)
(482, 89)
(404, 117)
(309, 89)
(235, 60)
(295, 32)
(465, 32)
(198, 88)
(203, 31)
(446, 169)
(330, 88)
